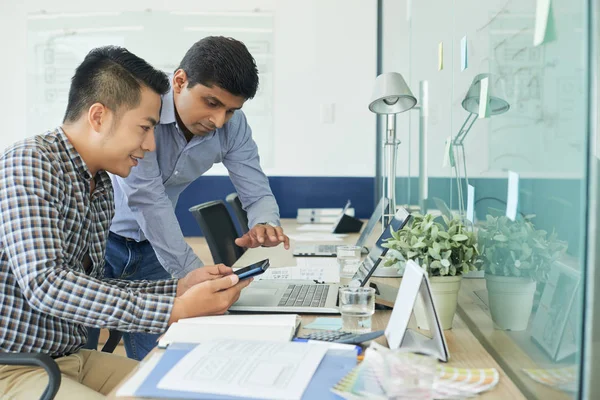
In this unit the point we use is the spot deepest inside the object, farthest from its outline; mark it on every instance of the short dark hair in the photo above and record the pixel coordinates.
(112, 76)
(221, 61)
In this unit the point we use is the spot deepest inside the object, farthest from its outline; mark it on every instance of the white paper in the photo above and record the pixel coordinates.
(544, 23)
(512, 198)
(272, 327)
(315, 228)
(316, 262)
(319, 273)
(244, 320)
(246, 368)
(471, 203)
(484, 98)
(447, 150)
(131, 386)
(316, 237)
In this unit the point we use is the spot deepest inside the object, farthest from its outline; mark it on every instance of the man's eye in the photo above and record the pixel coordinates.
(146, 128)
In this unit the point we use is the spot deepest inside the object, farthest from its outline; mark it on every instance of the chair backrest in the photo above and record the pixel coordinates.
(218, 229)
(242, 217)
(39, 360)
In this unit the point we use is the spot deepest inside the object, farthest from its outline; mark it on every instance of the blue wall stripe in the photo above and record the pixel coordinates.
(291, 193)
(556, 202)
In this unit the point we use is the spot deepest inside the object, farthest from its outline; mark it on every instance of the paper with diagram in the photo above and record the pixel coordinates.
(246, 368)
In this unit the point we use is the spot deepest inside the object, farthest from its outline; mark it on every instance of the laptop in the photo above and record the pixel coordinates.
(329, 250)
(301, 296)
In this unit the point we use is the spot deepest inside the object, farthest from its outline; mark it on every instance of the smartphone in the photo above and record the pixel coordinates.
(253, 270)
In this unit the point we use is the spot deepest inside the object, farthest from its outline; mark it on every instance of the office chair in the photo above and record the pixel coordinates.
(218, 229)
(242, 217)
(40, 360)
(114, 337)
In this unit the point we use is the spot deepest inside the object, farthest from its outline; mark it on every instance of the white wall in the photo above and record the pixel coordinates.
(325, 54)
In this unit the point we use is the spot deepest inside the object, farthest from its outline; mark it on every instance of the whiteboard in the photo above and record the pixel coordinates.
(57, 43)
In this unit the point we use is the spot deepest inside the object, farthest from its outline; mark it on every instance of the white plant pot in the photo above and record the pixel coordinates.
(444, 290)
(510, 301)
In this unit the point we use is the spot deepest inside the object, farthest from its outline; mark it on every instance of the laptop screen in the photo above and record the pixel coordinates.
(371, 262)
(381, 207)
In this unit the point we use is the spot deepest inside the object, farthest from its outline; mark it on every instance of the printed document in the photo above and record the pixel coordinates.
(266, 370)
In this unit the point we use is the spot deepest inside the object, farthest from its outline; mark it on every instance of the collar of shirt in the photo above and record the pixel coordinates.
(102, 178)
(167, 114)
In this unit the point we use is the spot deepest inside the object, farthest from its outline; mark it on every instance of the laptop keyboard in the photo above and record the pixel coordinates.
(304, 296)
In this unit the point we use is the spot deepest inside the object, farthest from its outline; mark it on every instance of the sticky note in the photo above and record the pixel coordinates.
(441, 56)
(512, 198)
(484, 97)
(464, 58)
(471, 203)
(545, 30)
(330, 324)
(447, 151)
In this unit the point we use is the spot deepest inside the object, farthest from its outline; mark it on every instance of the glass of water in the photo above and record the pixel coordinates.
(357, 306)
(348, 258)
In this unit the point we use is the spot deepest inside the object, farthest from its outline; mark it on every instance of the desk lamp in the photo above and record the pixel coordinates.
(496, 105)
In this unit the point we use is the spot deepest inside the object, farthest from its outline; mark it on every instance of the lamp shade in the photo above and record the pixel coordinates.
(496, 97)
(391, 95)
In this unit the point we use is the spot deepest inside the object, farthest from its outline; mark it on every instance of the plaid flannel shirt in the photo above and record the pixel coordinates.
(49, 222)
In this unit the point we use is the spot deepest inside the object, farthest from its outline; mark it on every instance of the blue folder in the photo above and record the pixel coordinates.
(335, 365)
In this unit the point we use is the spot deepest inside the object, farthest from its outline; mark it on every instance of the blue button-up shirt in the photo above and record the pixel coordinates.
(145, 200)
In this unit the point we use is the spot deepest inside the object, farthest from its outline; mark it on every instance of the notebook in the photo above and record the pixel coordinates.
(276, 328)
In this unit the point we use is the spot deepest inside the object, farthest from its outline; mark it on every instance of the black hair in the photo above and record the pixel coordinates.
(114, 77)
(221, 61)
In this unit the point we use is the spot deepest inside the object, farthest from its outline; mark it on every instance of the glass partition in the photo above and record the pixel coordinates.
(523, 152)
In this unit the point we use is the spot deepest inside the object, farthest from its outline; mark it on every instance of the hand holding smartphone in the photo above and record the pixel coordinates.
(253, 270)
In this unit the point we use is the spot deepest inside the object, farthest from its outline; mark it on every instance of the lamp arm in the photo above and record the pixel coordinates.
(462, 132)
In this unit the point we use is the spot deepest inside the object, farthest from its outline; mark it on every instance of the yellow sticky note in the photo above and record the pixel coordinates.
(441, 56)
(544, 23)
(484, 98)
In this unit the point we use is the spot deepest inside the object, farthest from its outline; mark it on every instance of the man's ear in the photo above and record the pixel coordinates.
(97, 116)
(179, 80)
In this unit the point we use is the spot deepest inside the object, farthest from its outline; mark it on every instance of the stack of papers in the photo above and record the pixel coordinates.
(272, 327)
(239, 368)
(315, 228)
(218, 369)
(316, 237)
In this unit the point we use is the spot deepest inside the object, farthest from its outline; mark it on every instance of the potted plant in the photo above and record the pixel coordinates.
(446, 252)
(516, 257)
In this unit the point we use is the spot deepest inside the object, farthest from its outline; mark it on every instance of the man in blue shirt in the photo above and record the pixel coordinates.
(201, 124)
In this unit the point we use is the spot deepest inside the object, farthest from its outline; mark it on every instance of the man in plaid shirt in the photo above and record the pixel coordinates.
(56, 206)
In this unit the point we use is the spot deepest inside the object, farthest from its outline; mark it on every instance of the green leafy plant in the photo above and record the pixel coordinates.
(440, 250)
(516, 248)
